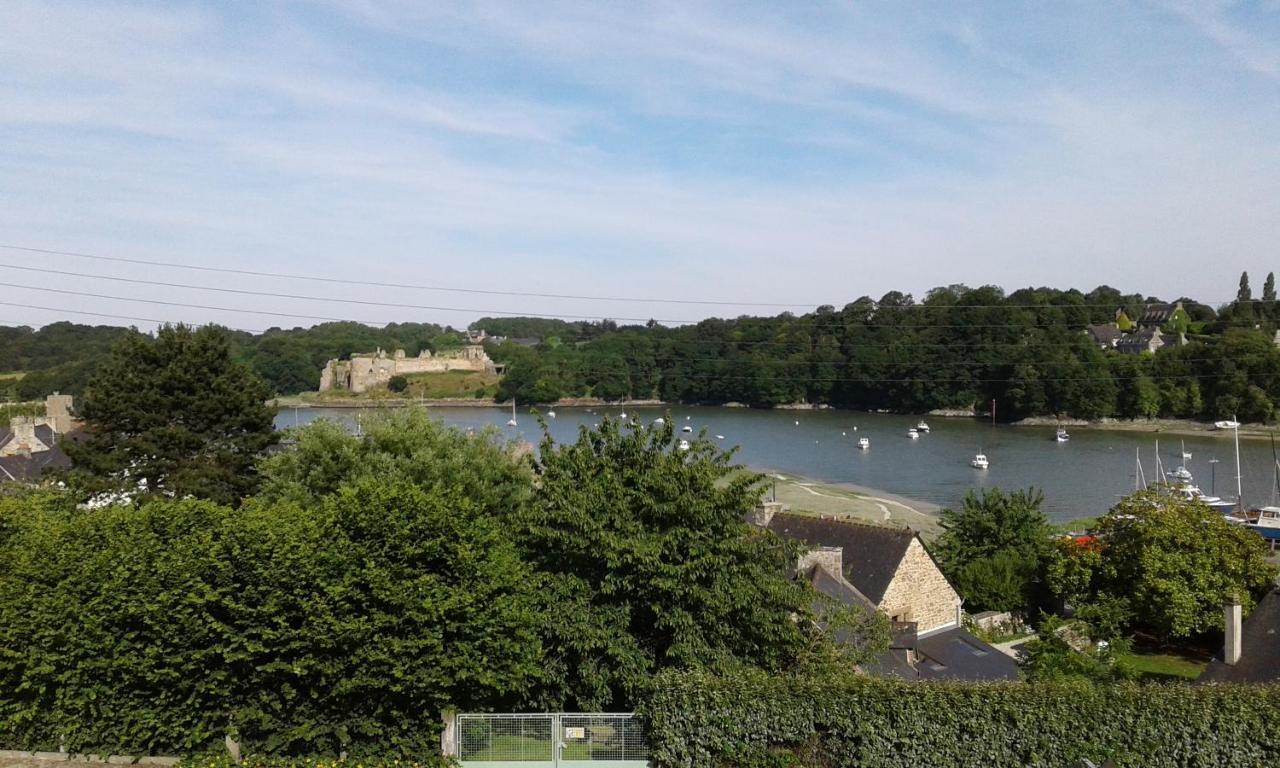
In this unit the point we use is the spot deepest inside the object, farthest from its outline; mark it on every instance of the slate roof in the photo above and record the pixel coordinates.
(1259, 648)
(1139, 341)
(1106, 335)
(31, 467)
(1159, 314)
(872, 553)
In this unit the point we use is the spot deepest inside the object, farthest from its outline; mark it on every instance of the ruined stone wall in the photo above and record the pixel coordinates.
(920, 593)
(364, 372)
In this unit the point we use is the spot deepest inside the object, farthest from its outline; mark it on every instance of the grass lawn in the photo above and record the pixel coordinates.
(14, 375)
(1165, 664)
(434, 386)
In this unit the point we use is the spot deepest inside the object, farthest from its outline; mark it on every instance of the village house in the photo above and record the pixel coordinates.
(1158, 315)
(890, 570)
(1105, 336)
(1251, 648)
(1143, 340)
(31, 445)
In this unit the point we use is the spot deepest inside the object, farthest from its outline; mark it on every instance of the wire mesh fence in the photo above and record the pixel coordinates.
(581, 740)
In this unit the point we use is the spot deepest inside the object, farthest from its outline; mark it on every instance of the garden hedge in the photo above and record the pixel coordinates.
(756, 721)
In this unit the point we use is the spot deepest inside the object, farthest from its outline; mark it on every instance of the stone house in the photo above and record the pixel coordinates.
(1106, 336)
(1145, 340)
(1250, 649)
(1158, 315)
(32, 445)
(890, 570)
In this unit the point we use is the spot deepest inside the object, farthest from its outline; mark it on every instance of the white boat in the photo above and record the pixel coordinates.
(1186, 455)
(913, 433)
(684, 445)
(659, 421)
(1181, 475)
(864, 443)
(512, 421)
(686, 428)
(1227, 424)
(719, 437)
(551, 414)
(1062, 435)
(922, 426)
(623, 416)
(1193, 493)
(979, 461)
(1267, 523)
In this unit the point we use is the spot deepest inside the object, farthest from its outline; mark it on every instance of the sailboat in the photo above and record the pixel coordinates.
(1186, 455)
(1062, 435)
(512, 421)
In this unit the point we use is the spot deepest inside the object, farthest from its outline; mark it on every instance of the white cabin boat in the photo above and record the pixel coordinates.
(864, 443)
(551, 414)
(1062, 435)
(684, 445)
(922, 426)
(913, 433)
(1267, 523)
(659, 421)
(686, 428)
(1227, 424)
(979, 461)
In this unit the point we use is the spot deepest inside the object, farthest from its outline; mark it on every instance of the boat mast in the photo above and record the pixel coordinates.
(1139, 479)
(1239, 490)
(1159, 466)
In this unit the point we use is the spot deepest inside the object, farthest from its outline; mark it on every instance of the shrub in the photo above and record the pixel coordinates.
(398, 383)
(758, 720)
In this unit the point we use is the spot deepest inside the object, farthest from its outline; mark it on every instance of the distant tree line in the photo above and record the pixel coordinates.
(958, 347)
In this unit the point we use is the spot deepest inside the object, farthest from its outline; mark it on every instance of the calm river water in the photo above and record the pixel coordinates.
(1081, 478)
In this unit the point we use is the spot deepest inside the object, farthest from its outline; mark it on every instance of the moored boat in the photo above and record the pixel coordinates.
(864, 443)
(979, 461)
(922, 426)
(913, 433)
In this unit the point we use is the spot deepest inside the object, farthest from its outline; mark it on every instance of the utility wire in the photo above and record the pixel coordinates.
(530, 294)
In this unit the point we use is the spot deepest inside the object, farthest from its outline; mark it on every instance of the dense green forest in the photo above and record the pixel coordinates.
(958, 347)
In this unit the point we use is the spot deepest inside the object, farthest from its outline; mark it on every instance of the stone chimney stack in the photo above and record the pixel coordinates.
(831, 559)
(763, 513)
(1231, 647)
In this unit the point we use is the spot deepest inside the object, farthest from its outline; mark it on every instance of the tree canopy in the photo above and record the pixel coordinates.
(173, 415)
(994, 549)
(1164, 565)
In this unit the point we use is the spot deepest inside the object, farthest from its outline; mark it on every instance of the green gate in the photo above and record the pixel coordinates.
(562, 740)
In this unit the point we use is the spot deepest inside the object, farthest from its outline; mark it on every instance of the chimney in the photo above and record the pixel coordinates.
(830, 559)
(764, 513)
(1231, 647)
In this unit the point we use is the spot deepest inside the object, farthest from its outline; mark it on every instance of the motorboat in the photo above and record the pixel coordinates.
(512, 421)
(1181, 475)
(719, 437)
(864, 443)
(1193, 493)
(1227, 424)
(1186, 455)
(1062, 435)
(684, 445)
(686, 428)
(659, 421)
(922, 427)
(1267, 523)
(913, 433)
(623, 416)
(979, 461)
(551, 414)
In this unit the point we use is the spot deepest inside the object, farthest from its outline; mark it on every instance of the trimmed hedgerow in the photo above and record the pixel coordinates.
(758, 721)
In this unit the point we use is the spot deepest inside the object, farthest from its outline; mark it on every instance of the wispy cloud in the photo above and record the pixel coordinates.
(696, 150)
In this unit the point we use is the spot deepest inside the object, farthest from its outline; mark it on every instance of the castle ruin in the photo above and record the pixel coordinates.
(372, 369)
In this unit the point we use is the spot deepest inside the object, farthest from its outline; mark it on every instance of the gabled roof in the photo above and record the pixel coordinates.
(957, 655)
(26, 468)
(1159, 314)
(1107, 333)
(871, 553)
(1259, 648)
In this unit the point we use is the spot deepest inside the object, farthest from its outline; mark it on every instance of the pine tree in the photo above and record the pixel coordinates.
(1244, 294)
(173, 416)
(1269, 287)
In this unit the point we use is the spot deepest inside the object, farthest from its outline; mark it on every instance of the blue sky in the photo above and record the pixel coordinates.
(793, 153)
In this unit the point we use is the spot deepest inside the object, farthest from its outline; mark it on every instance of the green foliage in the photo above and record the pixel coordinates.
(1051, 657)
(1165, 565)
(223, 760)
(1244, 294)
(651, 565)
(175, 414)
(994, 549)
(754, 721)
(347, 625)
(1269, 287)
(398, 383)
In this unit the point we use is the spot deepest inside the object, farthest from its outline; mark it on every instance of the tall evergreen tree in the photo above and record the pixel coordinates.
(173, 416)
(1269, 287)
(1244, 294)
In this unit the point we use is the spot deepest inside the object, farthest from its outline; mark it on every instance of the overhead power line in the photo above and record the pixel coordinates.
(414, 286)
(530, 294)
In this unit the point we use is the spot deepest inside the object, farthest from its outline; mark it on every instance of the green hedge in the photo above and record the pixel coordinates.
(224, 760)
(758, 721)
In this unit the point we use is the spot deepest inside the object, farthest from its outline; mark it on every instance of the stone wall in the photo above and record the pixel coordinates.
(920, 593)
(364, 372)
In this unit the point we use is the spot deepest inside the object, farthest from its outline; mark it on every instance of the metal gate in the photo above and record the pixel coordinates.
(565, 740)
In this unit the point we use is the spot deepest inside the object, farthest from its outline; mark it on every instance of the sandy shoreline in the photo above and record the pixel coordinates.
(839, 499)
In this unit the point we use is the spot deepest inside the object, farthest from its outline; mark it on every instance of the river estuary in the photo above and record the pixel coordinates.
(1080, 478)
